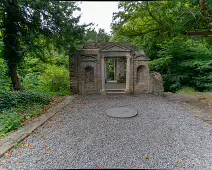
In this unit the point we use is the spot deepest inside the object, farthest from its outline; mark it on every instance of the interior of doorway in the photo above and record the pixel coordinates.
(115, 74)
(111, 72)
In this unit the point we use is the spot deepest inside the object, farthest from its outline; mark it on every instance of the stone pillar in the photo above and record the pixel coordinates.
(106, 69)
(128, 74)
(117, 69)
(114, 69)
(103, 75)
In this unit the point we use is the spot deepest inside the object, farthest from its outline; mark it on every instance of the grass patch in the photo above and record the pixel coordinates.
(186, 90)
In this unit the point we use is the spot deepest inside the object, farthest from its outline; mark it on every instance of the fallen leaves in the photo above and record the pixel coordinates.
(49, 125)
(148, 158)
(48, 148)
(4, 166)
(26, 145)
(181, 160)
(35, 132)
(179, 164)
(9, 153)
(97, 167)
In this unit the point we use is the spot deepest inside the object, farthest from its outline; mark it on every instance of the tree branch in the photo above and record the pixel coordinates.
(198, 34)
(133, 34)
(153, 17)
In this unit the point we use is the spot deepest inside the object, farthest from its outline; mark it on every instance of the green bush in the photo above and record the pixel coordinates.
(5, 82)
(55, 80)
(110, 69)
(31, 82)
(15, 99)
(184, 62)
(13, 118)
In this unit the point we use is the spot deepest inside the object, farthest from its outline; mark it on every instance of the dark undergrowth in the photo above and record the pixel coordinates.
(18, 107)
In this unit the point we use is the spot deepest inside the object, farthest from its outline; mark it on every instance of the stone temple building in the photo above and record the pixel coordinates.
(89, 70)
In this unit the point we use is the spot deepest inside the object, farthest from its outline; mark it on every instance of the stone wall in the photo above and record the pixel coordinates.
(121, 70)
(141, 75)
(156, 83)
(85, 70)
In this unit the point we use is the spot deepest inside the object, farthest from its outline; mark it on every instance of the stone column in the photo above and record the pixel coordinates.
(103, 74)
(128, 74)
(106, 68)
(114, 69)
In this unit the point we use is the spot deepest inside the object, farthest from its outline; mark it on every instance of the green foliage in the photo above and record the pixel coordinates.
(110, 69)
(5, 82)
(54, 81)
(184, 62)
(96, 37)
(15, 99)
(164, 18)
(186, 90)
(34, 27)
(160, 28)
(17, 107)
(14, 118)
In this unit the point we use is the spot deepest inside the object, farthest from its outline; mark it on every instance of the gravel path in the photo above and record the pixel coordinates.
(162, 135)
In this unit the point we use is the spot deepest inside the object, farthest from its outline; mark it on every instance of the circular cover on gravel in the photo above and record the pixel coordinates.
(121, 112)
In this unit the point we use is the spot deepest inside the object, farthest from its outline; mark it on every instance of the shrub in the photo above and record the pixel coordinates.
(55, 80)
(15, 99)
(14, 118)
(31, 82)
(5, 81)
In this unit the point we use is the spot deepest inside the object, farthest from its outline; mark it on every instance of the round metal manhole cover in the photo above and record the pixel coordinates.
(121, 112)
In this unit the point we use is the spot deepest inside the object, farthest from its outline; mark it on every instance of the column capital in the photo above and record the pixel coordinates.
(129, 56)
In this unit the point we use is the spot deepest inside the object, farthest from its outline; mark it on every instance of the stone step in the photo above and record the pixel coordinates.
(115, 91)
(111, 81)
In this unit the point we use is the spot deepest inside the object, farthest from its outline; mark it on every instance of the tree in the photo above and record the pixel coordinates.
(29, 26)
(160, 28)
(163, 17)
(96, 37)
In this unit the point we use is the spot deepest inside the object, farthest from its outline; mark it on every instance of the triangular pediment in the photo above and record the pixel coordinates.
(115, 48)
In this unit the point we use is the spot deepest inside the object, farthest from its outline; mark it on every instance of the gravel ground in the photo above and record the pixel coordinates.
(162, 135)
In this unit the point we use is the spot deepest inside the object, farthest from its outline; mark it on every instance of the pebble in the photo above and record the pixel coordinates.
(162, 135)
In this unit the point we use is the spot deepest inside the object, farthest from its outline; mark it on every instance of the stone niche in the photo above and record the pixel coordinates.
(88, 69)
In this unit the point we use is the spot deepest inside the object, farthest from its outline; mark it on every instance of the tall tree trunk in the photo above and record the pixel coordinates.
(203, 4)
(14, 76)
(12, 47)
